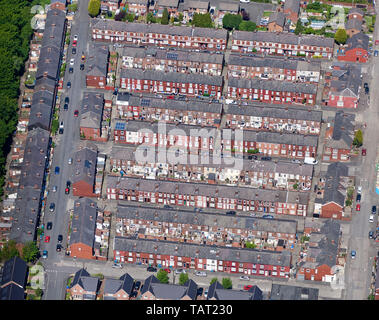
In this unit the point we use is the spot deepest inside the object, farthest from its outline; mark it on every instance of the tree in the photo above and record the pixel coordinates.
(247, 26)
(165, 17)
(38, 292)
(183, 278)
(150, 18)
(180, 17)
(341, 36)
(162, 276)
(231, 21)
(358, 138)
(202, 20)
(250, 245)
(30, 251)
(299, 27)
(120, 16)
(226, 283)
(94, 8)
(213, 280)
(9, 251)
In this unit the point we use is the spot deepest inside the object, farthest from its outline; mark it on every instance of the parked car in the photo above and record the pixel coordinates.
(231, 213)
(44, 254)
(358, 197)
(353, 254)
(49, 225)
(296, 161)
(247, 287)
(75, 37)
(47, 239)
(60, 238)
(244, 278)
(375, 53)
(73, 51)
(67, 100)
(55, 189)
(65, 106)
(72, 62)
(56, 170)
(199, 291)
(117, 266)
(74, 43)
(71, 70)
(267, 216)
(76, 113)
(358, 207)
(151, 269)
(266, 158)
(68, 185)
(371, 218)
(376, 42)
(69, 160)
(59, 248)
(137, 285)
(371, 235)
(364, 152)
(179, 271)
(373, 210)
(81, 66)
(52, 207)
(200, 273)
(61, 130)
(206, 293)
(359, 189)
(69, 84)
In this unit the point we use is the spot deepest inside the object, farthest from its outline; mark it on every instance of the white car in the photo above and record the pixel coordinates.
(179, 271)
(371, 219)
(70, 161)
(201, 273)
(359, 189)
(76, 37)
(117, 266)
(55, 189)
(245, 1)
(244, 278)
(72, 61)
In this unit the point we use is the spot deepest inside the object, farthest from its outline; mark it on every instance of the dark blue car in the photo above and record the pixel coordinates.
(56, 170)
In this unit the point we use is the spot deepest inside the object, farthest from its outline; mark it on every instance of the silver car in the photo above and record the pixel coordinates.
(201, 273)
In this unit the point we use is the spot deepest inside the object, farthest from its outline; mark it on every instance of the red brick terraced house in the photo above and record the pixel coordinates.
(291, 10)
(159, 35)
(331, 203)
(287, 44)
(198, 195)
(149, 81)
(257, 174)
(248, 67)
(145, 108)
(343, 84)
(162, 135)
(138, 7)
(356, 49)
(205, 258)
(321, 260)
(204, 228)
(272, 92)
(262, 118)
(97, 67)
(91, 117)
(339, 138)
(274, 144)
(84, 171)
(172, 61)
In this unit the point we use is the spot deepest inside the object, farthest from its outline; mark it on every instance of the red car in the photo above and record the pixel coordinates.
(47, 239)
(76, 113)
(363, 152)
(74, 43)
(358, 207)
(170, 97)
(376, 42)
(167, 270)
(247, 287)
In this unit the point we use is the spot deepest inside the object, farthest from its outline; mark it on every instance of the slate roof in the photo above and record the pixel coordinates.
(323, 245)
(273, 85)
(12, 292)
(355, 24)
(286, 292)
(356, 11)
(277, 258)
(53, 34)
(177, 77)
(206, 219)
(173, 104)
(106, 24)
(282, 37)
(41, 109)
(253, 61)
(92, 110)
(84, 164)
(143, 2)
(15, 271)
(293, 5)
(216, 291)
(346, 81)
(229, 7)
(84, 280)
(358, 40)
(84, 222)
(98, 61)
(169, 291)
(49, 63)
(177, 55)
(196, 4)
(45, 84)
(168, 3)
(125, 282)
(278, 18)
(208, 190)
(343, 131)
(273, 112)
(333, 191)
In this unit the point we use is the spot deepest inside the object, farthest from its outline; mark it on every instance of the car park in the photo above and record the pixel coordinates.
(200, 273)
(49, 225)
(52, 207)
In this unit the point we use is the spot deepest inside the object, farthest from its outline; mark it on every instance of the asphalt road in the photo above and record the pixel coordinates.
(65, 147)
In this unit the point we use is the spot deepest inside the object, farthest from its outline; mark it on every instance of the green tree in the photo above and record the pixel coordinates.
(183, 278)
(38, 292)
(358, 138)
(250, 245)
(150, 18)
(213, 280)
(180, 17)
(202, 20)
(231, 21)
(341, 36)
(165, 17)
(299, 27)
(30, 251)
(94, 8)
(9, 251)
(227, 283)
(162, 276)
(247, 26)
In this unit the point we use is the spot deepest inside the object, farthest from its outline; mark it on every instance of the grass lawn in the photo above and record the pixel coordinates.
(267, 13)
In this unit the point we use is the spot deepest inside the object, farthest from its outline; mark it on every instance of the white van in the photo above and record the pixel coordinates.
(310, 160)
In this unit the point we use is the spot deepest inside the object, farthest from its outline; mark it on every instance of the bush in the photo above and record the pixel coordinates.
(162, 276)
(227, 283)
(94, 8)
(183, 278)
(231, 21)
(340, 36)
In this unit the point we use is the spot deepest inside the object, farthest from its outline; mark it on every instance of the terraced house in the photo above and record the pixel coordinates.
(159, 35)
(149, 81)
(256, 174)
(248, 67)
(211, 258)
(138, 7)
(287, 44)
(259, 118)
(145, 108)
(207, 196)
(172, 61)
(272, 91)
(204, 228)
